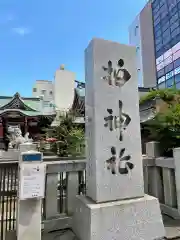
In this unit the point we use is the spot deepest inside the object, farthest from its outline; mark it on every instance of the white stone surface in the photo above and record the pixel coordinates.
(27, 147)
(29, 220)
(176, 154)
(29, 211)
(11, 154)
(135, 219)
(102, 185)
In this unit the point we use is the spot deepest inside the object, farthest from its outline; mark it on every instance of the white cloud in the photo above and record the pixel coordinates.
(21, 31)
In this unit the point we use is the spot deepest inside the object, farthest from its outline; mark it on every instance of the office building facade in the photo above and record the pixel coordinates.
(164, 23)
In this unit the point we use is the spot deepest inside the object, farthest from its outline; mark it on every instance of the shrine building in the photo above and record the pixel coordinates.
(27, 113)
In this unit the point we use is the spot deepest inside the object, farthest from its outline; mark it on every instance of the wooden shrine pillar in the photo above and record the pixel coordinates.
(1, 128)
(25, 125)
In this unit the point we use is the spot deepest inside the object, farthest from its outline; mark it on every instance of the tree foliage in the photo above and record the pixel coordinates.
(70, 137)
(165, 127)
(168, 95)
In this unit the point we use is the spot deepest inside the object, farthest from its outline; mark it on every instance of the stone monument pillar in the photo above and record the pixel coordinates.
(115, 206)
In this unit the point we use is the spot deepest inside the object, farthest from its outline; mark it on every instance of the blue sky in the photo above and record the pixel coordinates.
(37, 36)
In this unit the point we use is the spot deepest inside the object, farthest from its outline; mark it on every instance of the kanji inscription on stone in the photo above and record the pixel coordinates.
(117, 122)
(119, 163)
(116, 76)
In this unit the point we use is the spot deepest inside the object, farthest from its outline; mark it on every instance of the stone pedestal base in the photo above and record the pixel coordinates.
(135, 219)
(29, 219)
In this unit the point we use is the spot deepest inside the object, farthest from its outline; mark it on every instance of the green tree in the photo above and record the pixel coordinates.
(70, 137)
(165, 127)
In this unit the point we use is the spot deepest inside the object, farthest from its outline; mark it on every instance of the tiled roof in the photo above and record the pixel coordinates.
(26, 106)
(23, 112)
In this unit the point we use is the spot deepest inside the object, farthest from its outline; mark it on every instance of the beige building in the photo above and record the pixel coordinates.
(43, 88)
(59, 92)
(141, 35)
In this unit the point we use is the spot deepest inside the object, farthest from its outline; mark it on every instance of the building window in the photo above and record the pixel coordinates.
(159, 52)
(174, 18)
(170, 82)
(177, 63)
(161, 3)
(176, 55)
(169, 68)
(174, 25)
(158, 40)
(165, 26)
(167, 46)
(175, 32)
(165, 20)
(157, 34)
(160, 66)
(171, 4)
(177, 71)
(43, 91)
(155, 4)
(177, 78)
(168, 60)
(159, 59)
(167, 34)
(160, 73)
(157, 27)
(164, 9)
(178, 85)
(169, 75)
(176, 48)
(164, 14)
(157, 21)
(136, 31)
(158, 47)
(175, 40)
(162, 85)
(173, 11)
(156, 15)
(34, 89)
(161, 80)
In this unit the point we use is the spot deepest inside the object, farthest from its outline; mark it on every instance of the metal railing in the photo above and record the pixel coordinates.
(64, 180)
(8, 197)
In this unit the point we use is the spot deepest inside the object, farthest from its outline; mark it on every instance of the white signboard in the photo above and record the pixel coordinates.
(32, 180)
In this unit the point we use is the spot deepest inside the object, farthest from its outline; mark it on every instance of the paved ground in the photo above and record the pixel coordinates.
(172, 228)
(61, 235)
(172, 231)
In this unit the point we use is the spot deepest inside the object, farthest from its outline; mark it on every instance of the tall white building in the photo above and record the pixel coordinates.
(64, 84)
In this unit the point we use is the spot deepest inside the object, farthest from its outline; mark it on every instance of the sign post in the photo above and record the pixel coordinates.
(30, 194)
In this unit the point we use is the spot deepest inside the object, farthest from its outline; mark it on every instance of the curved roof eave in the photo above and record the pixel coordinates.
(17, 96)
